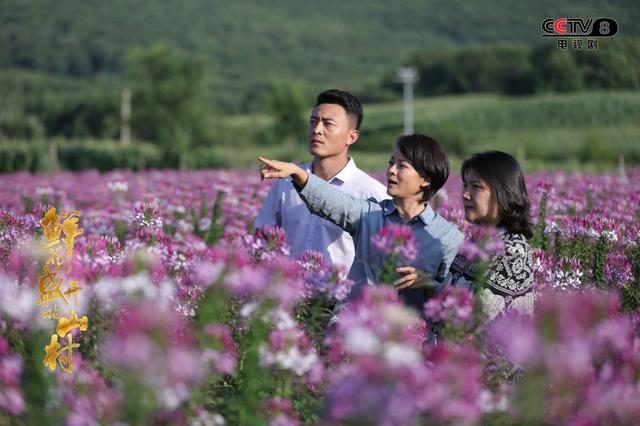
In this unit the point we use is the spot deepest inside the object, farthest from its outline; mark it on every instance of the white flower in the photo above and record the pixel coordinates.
(44, 190)
(361, 340)
(207, 273)
(489, 404)
(206, 418)
(248, 309)
(185, 227)
(281, 319)
(296, 361)
(399, 355)
(291, 359)
(110, 291)
(18, 302)
(204, 224)
(171, 397)
(118, 186)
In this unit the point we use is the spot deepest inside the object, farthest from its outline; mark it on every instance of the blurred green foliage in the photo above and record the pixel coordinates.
(102, 155)
(167, 107)
(518, 69)
(345, 44)
(576, 130)
(285, 103)
(192, 70)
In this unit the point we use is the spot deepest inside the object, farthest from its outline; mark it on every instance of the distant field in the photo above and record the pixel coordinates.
(585, 131)
(492, 112)
(547, 131)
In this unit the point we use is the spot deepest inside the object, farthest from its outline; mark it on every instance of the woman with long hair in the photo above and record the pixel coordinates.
(494, 194)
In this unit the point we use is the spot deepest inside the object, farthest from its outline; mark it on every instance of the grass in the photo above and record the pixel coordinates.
(556, 131)
(492, 112)
(581, 131)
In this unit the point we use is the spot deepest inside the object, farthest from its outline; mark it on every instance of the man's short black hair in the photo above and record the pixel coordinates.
(346, 100)
(504, 176)
(429, 159)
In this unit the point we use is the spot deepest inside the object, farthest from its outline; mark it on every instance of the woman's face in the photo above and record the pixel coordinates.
(480, 204)
(403, 181)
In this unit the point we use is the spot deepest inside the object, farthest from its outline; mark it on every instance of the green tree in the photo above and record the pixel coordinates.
(166, 103)
(556, 70)
(92, 115)
(285, 103)
(614, 65)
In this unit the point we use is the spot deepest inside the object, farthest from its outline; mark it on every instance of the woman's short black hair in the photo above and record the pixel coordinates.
(504, 176)
(428, 158)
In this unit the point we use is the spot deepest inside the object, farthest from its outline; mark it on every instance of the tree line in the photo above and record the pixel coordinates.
(520, 69)
(172, 111)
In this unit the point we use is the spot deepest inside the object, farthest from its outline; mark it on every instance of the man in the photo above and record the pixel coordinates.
(333, 127)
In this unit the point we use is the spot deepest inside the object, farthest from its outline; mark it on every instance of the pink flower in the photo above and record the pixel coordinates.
(397, 241)
(11, 400)
(312, 261)
(481, 243)
(289, 349)
(280, 412)
(145, 221)
(267, 243)
(617, 270)
(86, 395)
(581, 352)
(332, 283)
(154, 343)
(453, 305)
(223, 352)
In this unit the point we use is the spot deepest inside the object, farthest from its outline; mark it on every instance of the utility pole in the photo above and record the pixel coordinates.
(622, 171)
(125, 117)
(408, 76)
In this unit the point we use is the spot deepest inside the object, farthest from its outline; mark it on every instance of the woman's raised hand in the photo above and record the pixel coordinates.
(281, 169)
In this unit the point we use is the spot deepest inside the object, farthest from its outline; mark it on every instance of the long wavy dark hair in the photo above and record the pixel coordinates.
(505, 178)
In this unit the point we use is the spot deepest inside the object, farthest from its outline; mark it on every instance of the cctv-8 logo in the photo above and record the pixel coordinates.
(604, 27)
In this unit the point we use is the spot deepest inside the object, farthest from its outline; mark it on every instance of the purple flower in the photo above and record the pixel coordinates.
(396, 241)
(289, 349)
(223, 352)
(11, 399)
(453, 305)
(591, 226)
(280, 412)
(145, 220)
(455, 390)
(331, 283)
(86, 395)
(268, 243)
(312, 261)
(563, 273)
(581, 352)
(482, 243)
(154, 344)
(617, 270)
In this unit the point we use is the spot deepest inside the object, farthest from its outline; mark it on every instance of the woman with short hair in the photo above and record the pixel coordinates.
(418, 168)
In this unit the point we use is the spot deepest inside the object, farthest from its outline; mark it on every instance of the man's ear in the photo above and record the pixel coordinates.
(425, 183)
(353, 137)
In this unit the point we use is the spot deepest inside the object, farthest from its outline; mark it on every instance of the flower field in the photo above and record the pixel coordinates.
(192, 317)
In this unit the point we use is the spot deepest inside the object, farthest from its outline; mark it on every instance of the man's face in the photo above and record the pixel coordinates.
(330, 131)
